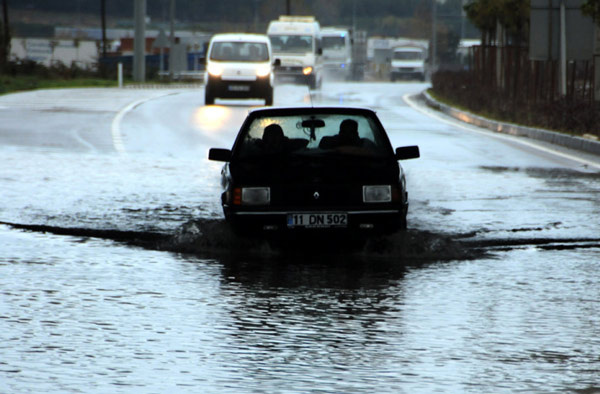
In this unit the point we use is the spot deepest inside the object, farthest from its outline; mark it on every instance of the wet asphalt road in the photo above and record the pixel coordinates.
(494, 288)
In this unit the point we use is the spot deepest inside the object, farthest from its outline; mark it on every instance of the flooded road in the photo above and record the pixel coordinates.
(130, 281)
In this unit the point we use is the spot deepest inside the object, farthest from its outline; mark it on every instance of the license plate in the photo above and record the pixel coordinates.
(238, 88)
(316, 220)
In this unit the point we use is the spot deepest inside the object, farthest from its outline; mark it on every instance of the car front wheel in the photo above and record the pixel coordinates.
(209, 98)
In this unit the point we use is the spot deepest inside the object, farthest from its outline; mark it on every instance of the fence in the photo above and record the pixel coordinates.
(509, 71)
(504, 83)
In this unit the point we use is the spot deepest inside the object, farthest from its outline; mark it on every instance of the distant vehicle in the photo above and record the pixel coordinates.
(296, 42)
(337, 52)
(304, 169)
(344, 53)
(408, 62)
(239, 66)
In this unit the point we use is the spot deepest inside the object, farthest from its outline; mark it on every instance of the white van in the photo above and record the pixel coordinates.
(239, 66)
(296, 42)
(408, 61)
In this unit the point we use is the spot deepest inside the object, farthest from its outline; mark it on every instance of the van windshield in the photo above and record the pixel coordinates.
(240, 51)
(291, 43)
(408, 55)
(333, 42)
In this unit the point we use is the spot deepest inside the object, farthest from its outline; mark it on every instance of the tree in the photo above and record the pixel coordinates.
(484, 15)
(512, 15)
(592, 8)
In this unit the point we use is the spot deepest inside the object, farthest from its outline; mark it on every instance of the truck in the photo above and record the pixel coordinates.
(296, 43)
(344, 53)
(337, 52)
(408, 62)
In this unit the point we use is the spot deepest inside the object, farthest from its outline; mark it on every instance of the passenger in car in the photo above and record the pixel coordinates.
(348, 134)
(273, 139)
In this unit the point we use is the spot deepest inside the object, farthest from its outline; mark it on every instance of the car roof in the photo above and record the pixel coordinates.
(332, 110)
(241, 37)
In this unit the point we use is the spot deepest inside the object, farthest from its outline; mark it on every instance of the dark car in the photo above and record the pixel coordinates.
(299, 170)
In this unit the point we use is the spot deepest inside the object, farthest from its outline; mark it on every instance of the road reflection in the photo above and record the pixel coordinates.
(211, 118)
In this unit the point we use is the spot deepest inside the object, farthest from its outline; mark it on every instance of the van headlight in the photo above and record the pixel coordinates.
(307, 70)
(377, 193)
(263, 70)
(214, 69)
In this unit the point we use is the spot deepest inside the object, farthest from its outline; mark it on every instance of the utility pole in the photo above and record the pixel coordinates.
(103, 19)
(563, 50)
(597, 61)
(433, 36)
(139, 41)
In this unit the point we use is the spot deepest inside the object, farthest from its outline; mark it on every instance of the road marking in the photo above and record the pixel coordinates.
(115, 128)
(456, 123)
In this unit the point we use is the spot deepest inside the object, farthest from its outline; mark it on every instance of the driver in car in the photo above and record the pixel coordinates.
(347, 140)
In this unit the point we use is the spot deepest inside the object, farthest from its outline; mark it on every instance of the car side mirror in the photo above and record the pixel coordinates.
(407, 152)
(320, 51)
(218, 154)
(277, 63)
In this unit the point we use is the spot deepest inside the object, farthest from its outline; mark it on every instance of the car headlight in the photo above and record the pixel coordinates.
(307, 70)
(251, 196)
(378, 193)
(263, 71)
(214, 69)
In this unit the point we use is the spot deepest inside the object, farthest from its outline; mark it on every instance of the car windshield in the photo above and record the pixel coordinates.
(312, 136)
(240, 51)
(291, 43)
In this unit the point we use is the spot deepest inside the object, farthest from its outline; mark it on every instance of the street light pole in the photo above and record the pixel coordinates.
(171, 37)
(139, 41)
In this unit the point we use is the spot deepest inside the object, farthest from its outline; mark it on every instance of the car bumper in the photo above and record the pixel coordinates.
(368, 221)
(408, 73)
(293, 75)
(259, 88)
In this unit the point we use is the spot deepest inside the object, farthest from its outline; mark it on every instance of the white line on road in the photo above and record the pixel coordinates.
(520, 140)
(115, 128)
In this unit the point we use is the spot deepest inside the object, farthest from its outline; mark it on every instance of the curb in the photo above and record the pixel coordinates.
(552, 137)
(156, 86)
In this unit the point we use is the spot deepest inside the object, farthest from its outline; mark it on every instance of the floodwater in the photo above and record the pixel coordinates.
(117, 273)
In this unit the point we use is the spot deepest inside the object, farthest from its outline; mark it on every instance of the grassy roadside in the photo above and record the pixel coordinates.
(20, 83)
(484, 114)
(11, 84)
